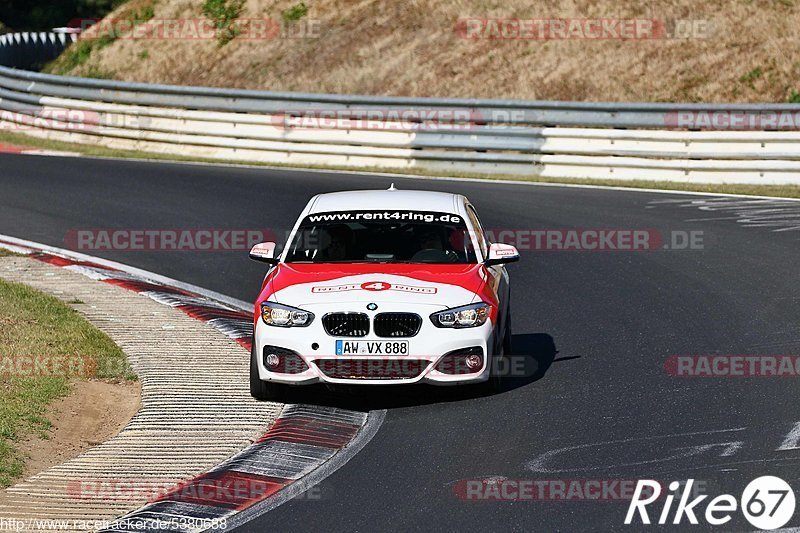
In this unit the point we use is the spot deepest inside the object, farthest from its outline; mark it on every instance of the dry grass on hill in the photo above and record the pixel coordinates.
(409, 47)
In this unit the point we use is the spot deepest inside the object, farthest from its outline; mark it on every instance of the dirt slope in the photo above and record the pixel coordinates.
(739, 51)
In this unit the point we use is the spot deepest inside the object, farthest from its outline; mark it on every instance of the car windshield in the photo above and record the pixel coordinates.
(382, 237)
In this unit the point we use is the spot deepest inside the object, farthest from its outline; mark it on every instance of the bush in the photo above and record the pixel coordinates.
(224, 14)
(295, 13)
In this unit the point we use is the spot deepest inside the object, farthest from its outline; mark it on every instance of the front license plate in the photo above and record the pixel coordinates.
(371, 347)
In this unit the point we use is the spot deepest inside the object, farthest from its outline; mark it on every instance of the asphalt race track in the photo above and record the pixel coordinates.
(605, 409)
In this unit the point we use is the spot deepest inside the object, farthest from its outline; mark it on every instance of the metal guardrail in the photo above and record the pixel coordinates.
(557, 139)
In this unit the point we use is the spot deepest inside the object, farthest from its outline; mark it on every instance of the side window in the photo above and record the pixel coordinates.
(476, 223)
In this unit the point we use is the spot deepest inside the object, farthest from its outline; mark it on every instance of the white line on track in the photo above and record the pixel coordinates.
(792, 440)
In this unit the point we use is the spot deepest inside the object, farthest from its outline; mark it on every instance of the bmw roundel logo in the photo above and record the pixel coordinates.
(372, 307)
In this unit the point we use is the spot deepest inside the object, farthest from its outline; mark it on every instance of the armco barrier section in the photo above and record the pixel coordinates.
(549, 139)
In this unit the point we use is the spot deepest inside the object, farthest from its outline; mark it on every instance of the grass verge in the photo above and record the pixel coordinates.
(44, 344)
(786, 191)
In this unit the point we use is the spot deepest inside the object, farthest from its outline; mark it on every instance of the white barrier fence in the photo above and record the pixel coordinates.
(484, 136)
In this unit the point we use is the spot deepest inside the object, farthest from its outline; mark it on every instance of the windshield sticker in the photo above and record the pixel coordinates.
(390, 216)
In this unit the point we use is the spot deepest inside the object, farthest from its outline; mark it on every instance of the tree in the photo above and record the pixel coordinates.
(43, 15)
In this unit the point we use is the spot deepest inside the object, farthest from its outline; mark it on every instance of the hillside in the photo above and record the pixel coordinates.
(737, 51)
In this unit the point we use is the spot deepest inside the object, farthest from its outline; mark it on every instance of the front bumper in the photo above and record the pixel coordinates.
(424, 351)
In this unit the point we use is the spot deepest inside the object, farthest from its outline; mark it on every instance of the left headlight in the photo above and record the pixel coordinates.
(467, 316)
(284, 316)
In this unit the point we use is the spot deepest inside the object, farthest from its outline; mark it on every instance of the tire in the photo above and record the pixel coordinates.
(507, 335)
(263, 391)
(492, 385)
(495, 382)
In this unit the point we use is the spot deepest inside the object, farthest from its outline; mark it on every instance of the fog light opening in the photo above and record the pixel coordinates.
(272, 361)
(474, 361)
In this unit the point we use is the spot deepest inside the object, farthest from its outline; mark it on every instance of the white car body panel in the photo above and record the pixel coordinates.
(417, 291)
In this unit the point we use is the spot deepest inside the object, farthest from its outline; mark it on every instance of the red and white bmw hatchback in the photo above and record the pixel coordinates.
(381, 287)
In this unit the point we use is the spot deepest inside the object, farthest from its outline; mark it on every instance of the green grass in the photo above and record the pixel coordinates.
(98, 73)
(752, 76)
(34, 325)
(294, 13)
(787, 191)
(146, 13)
(104, 41)
(80, 52)
(74, 56)
(224, 14)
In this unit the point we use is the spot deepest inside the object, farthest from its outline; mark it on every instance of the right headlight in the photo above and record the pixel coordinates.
(283, 316)
(466, 316)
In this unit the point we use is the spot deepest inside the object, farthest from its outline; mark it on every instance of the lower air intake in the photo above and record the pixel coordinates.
(372, 368)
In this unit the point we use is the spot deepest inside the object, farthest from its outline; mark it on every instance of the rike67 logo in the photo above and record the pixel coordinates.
(767, 503)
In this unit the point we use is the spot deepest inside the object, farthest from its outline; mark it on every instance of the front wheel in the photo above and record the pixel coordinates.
(264, 391)
(498, 362)
(507, 335)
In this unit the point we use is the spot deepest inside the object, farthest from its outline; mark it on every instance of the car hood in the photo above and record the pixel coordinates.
(442, 286)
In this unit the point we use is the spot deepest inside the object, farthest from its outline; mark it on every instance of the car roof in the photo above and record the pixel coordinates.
(386, 199)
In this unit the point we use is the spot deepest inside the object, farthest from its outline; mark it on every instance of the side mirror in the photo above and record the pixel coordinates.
(264, 252)
(500, 253)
